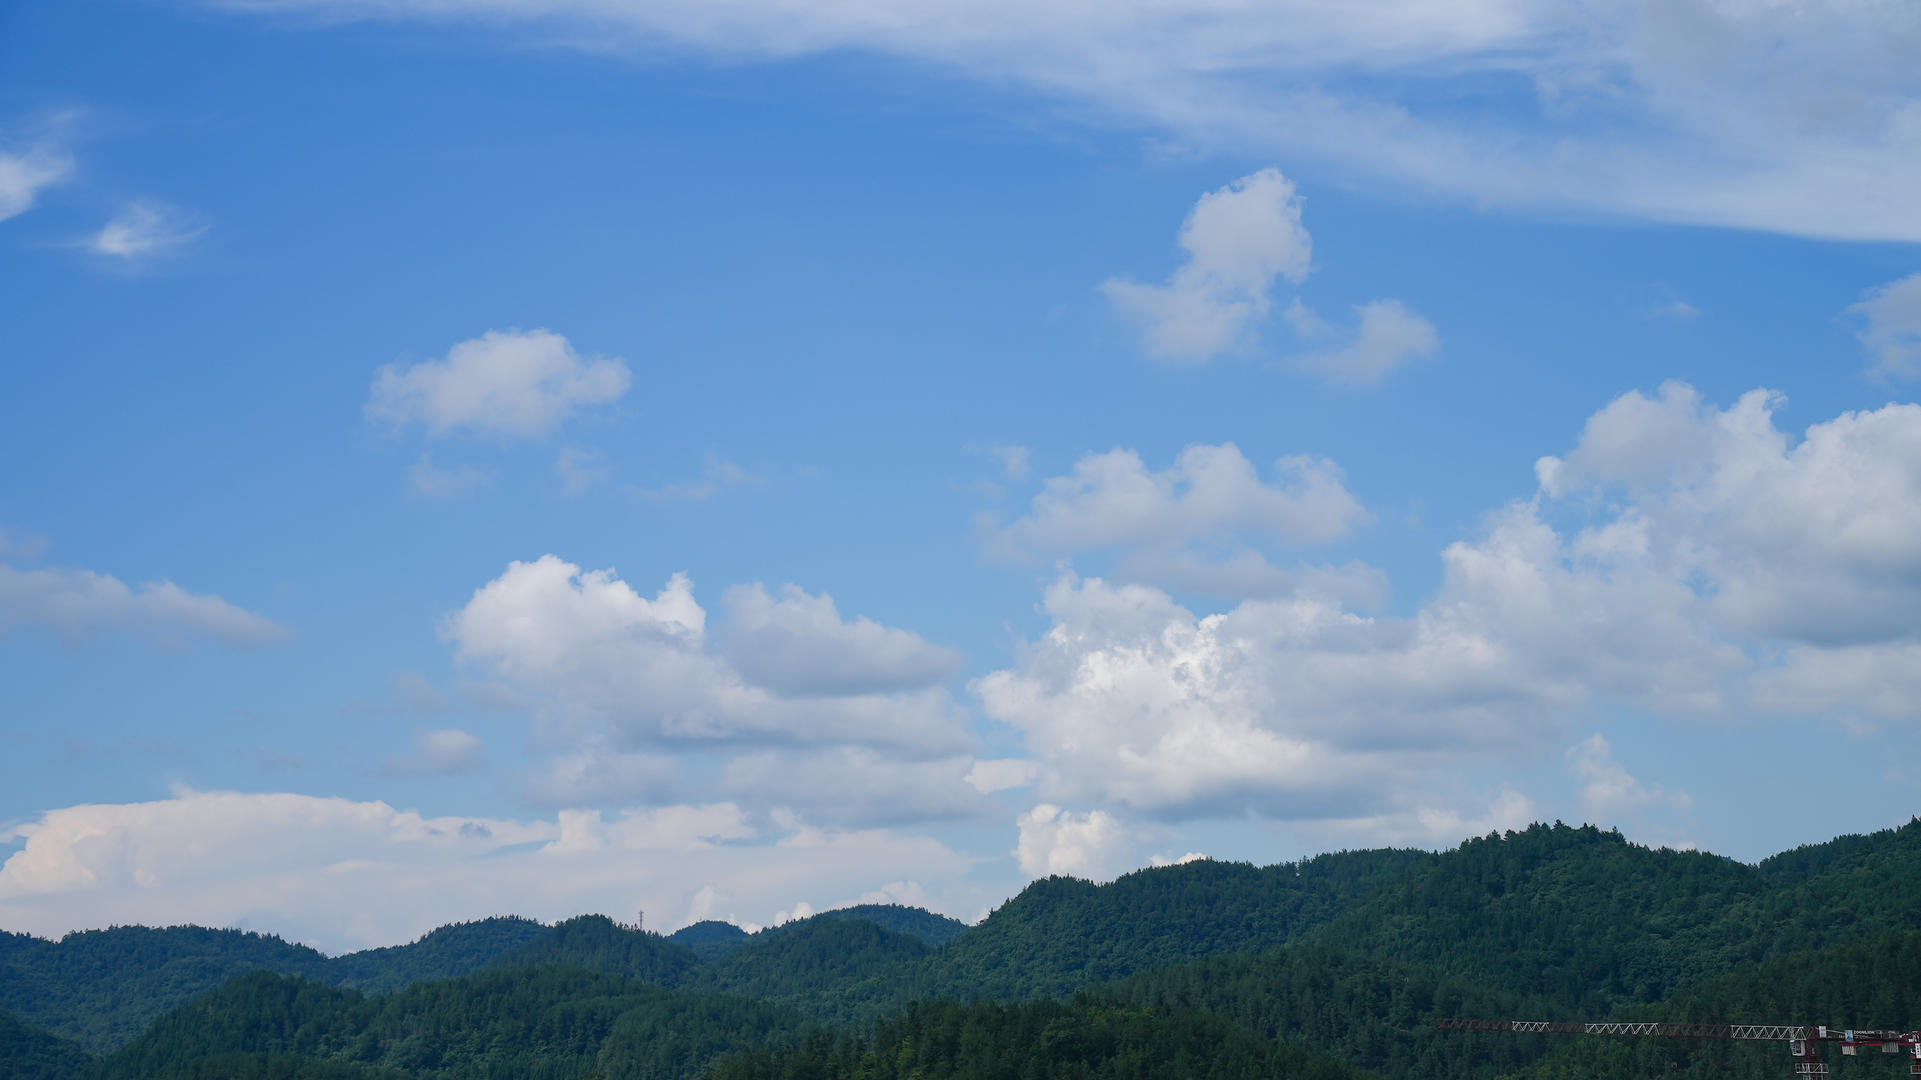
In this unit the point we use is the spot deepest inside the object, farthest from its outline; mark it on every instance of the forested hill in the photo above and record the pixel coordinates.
(935, 930)
(1351, 956)
(535, 1023)
(1584, 917)
(28, 1053)
(101, 988)
(1090, 1038)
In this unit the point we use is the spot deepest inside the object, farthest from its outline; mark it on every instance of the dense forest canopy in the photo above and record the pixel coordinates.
(1329, 968)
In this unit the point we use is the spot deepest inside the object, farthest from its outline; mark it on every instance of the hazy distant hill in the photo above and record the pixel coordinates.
(710, 939)
(103, 987)
(830, 968)
(935, 930)
(449, 951)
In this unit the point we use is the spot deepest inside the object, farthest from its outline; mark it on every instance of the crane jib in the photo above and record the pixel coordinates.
(1804, 1041)
(1671, 1030)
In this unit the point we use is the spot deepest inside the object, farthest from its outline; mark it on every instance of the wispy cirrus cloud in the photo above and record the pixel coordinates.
(29, 165)
(77, 606)
(1778, 117)
(146, 229)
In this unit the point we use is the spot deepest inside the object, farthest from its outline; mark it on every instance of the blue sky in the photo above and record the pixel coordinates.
(1133, 430)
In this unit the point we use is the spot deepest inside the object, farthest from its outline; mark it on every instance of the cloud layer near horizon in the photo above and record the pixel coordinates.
(304, 866)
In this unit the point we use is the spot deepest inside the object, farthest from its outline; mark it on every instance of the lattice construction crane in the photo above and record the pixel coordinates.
(1803, 1042)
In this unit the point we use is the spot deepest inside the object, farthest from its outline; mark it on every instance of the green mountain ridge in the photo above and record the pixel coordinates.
(101, 988)
(1343, 959)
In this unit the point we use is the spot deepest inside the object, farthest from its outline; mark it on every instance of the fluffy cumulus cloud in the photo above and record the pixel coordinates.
(146, 229)
(1772, 116)
(1806, 543)
(591, 774)
(1237, 240)
(79, 605)
(1113, 499)
(1681, 559)
(510, 384)
(585, 645)
(1388, 335)
(304, 866)
(1293, 709)
(1200, 525)
(1891, 328)
(798, 644)
(1607, 788)
(1093, 845)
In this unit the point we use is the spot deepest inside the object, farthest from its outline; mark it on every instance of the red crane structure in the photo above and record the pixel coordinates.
(1804, 1042)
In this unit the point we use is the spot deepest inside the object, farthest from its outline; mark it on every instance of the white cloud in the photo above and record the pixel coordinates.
(447, 752)
(78, 605)
(716, 477)
(1245, 573)
(1093, 845)
(1003, 774)
(801, 910)
(1176, 860)
(505, 383)
(1606, 786)
(591, 775)
(904, 893)
(146, 229)
(586, 645)
(799, 645)
(1238, 240)
(27, 171)
(431, 481)
(1112, 500)
(1682, 560)
(1891, 327)
(1783, 117)
(1389, 335)
(1810, 543)
(305, 866)
(1293, 709)
(1852, 684)
(1438, 818)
